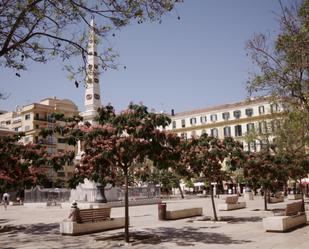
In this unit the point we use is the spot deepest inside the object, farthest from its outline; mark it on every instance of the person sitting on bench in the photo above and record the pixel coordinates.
(74, 213)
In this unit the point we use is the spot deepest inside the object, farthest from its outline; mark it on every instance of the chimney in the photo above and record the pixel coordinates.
(173, 112)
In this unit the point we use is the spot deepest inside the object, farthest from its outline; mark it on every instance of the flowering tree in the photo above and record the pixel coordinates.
(298, 168)
(267, 170)
(121, 142)
(206, 155)
(23, 165)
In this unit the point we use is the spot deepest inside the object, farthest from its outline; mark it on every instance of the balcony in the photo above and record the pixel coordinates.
(44, 119)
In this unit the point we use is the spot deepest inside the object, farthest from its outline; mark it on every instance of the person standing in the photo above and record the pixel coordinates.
(5, 199)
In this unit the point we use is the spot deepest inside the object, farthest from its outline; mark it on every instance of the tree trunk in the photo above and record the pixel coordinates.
(180, 190)
(265, 199)
(285, 191)
(213, 203)
(302, 196)
(126, 206)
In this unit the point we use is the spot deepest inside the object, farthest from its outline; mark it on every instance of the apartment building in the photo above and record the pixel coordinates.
(33, 117)
(259, 117)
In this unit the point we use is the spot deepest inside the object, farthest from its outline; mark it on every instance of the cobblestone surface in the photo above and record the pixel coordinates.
(22, 227)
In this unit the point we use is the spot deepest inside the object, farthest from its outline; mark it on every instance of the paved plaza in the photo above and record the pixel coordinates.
(24, 227)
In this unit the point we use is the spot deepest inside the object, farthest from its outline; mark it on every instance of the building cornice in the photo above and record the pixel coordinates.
(218, 108)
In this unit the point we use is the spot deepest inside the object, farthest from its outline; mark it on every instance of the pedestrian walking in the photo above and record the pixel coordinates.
(5, 200)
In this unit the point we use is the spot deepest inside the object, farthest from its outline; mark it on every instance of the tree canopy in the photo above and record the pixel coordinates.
(23, 165)
(283, 65)
(206, 156)
(283, 72)
(39, 30)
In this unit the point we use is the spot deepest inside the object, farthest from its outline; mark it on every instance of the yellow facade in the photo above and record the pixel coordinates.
(236, 120)
(34, 117)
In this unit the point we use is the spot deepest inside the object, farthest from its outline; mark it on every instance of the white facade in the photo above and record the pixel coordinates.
(231, 120)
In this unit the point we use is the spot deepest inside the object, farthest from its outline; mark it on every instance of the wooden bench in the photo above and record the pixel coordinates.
(94, 214)
(278, 197)
(231, 203)
(91, 221)
(292, 217)
(183, 213)
(295, 196)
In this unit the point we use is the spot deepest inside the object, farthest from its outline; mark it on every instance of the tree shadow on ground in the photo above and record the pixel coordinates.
(230, 219)
(234, 220)
(34, 229)
(2, 221)
(188, 236)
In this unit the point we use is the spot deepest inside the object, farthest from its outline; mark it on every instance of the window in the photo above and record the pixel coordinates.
(214, 132)
(213, 117)
(50, 118)
(192, 121)
(263, 127)
(238, 131)
(174, 125)
(261, 109)
(227, 131)
(204, 132)
(8, 122)
(274, 108)
(27, 139)
(96, 96)
(27, 127)
(37, 116)
(37, 127)
(203, 119)
(249, 112)
(237, 114)
(16, 129)
(252, 146)
(275, 124)
(226, 115)
(27, 116)
(96, 80)
(250, 127)
(183, 123)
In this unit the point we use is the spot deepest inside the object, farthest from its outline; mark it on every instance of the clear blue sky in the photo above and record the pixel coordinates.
(197, 61)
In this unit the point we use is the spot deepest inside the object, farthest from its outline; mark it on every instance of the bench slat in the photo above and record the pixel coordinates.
(293, 208)
(93, 215)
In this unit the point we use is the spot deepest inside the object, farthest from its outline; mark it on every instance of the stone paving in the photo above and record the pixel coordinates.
(23, 227)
